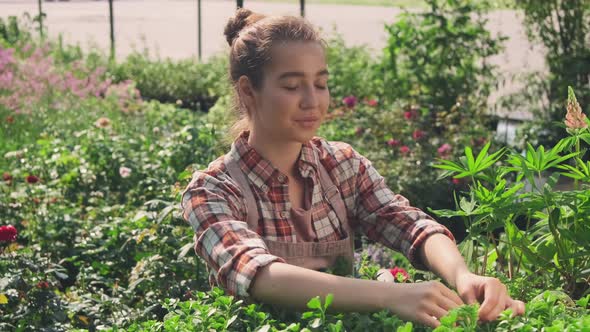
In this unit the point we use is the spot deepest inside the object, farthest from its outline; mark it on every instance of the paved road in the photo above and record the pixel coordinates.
(169, 27)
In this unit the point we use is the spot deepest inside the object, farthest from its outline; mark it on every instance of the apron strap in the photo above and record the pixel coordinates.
(332, 195)
(251, 207)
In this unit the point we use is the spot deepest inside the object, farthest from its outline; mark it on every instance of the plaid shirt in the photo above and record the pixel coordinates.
(215, 207)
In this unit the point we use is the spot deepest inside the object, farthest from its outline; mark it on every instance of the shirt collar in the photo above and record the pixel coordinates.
(260, 171)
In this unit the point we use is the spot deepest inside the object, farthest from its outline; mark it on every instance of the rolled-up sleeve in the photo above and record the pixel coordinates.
(215, 210)
(388, 218)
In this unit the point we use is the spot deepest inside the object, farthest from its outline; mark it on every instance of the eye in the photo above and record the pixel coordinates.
(290, 88)
(321, 87)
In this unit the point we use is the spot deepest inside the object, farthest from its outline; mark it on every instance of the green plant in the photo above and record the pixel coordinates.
(562, 26)
(554, 234)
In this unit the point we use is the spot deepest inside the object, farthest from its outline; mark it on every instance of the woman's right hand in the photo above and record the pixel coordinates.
(423, 302)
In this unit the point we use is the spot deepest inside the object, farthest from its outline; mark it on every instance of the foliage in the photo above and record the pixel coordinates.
(440, 55)
(92, 174)
(555, 234)
(186, 83)
(563, 27)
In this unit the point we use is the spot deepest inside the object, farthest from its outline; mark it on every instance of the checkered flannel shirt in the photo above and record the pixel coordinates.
(215, 207)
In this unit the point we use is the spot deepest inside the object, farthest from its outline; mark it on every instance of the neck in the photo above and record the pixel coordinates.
(282, 154)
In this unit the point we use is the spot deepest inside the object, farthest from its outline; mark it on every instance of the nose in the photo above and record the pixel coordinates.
(309, 98)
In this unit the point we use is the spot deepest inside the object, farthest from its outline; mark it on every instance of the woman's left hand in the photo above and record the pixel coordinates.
(490, 292)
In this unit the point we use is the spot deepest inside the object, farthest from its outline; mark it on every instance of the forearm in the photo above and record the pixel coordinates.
(441, 256)
(292, 287)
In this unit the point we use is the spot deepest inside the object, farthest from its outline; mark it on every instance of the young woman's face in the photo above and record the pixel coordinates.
(294, 97)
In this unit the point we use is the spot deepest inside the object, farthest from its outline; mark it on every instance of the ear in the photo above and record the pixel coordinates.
(247, 94)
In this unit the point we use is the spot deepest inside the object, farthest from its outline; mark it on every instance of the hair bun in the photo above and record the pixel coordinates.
(241, 19)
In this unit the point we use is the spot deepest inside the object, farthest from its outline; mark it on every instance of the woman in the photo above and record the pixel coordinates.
(283, 204)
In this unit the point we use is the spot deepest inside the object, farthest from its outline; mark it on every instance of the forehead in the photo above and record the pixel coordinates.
(305, 57)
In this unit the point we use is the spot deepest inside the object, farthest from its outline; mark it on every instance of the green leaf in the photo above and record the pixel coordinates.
(406, 328)
(314, 303)
(329, 299)
(467, 206)
(470, 160)
(482, 154)
(185, 249)
(231, 320)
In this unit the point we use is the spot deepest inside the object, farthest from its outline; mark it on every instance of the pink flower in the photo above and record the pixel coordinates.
(456, 181)
(574, 119)
(124, 171)
(372, 102)
(404, 149)
(393, 142)
(399, 273)
(8, 233)
(349, 101)
(418, 134)
(31, 179)
(444, 150)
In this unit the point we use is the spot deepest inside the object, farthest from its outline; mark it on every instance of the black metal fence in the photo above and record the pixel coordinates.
(239, 4)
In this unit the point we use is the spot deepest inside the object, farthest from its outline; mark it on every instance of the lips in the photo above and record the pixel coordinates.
(307, 122)
(308, 119)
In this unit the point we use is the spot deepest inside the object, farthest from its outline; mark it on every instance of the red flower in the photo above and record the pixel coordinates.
(43, 284)
(349, 101)
(6, 176)
(404, 149)
(396, 271)
(412, 114)
(456, 181)
(418, 134)
(372, 102)
(32, 179)
(8, 233)
(393, 142)
(10, 119)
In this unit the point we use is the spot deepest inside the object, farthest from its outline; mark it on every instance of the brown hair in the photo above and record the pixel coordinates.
(251, 37)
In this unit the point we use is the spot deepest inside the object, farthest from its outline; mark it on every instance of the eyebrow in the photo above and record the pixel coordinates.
(301, 74)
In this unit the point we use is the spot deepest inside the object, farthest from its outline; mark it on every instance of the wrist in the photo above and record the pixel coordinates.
(460, 274)
(388, 293)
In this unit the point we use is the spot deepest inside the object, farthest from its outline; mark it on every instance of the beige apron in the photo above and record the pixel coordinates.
(336, 255)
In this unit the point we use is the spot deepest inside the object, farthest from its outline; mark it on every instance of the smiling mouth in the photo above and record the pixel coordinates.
(307, 123)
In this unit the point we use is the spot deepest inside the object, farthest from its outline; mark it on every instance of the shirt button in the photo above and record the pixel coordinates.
(263, 187)
(281, 178)
(284, 214)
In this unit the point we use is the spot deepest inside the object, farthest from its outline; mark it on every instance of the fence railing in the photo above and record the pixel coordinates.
(239, 4)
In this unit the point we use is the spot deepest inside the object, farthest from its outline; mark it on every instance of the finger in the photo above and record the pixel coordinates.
(492, 299)
(450, 294)
(517, 307)
(469, 296)
(436, 311)
(428, 320)
(513, 305)
(447, 303)
(494, 313)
